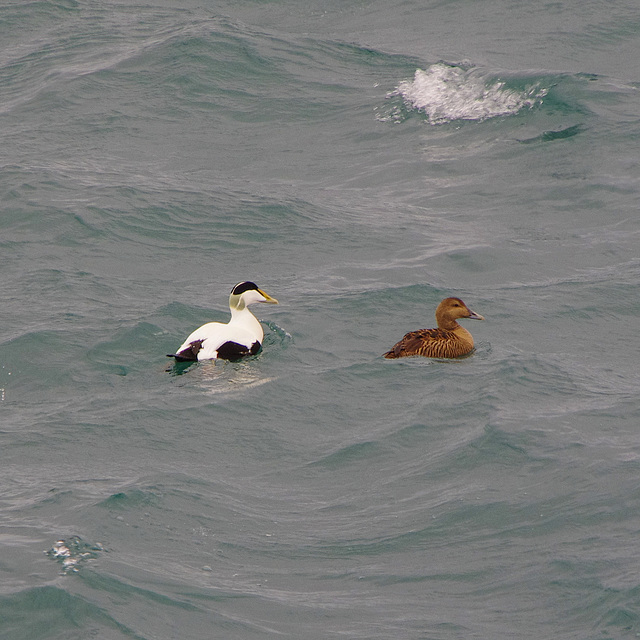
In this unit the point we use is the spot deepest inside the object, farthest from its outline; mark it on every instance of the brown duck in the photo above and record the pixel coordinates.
(449, 340)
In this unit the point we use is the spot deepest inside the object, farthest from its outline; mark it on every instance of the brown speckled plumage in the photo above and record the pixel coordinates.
(449, 340)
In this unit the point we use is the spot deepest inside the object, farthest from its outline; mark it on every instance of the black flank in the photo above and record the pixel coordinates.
(233, 351)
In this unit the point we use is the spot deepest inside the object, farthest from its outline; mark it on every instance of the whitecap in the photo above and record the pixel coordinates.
(446, 93)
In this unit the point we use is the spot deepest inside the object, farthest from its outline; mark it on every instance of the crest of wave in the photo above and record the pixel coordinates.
(446, 93)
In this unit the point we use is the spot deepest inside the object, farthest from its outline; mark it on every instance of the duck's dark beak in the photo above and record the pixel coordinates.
(475, 316)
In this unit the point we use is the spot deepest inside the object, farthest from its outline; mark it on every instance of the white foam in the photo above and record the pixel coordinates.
(70, 553)
(446, 93)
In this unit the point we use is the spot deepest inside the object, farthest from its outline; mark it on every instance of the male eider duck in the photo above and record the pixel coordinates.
(241, 336)
(449, 340)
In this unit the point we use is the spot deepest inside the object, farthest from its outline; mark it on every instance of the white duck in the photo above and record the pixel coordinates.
(241, 336)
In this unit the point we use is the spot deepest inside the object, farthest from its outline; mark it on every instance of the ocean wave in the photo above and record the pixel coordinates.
(54, 612)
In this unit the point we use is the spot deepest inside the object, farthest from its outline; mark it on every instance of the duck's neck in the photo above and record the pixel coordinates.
(452, 325)
(242, 317)
(463, 335)
(447, 323)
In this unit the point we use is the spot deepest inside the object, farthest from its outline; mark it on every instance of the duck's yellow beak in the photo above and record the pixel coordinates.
(267, 297)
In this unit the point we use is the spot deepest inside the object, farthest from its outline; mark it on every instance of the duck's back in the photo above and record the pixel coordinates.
(433, 343)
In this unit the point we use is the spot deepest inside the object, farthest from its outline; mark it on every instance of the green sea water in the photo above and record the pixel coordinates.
(360, 161)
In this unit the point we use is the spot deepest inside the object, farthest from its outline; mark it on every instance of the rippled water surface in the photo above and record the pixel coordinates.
(360, 162)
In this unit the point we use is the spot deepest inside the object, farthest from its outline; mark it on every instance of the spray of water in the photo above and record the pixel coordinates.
(445, 93)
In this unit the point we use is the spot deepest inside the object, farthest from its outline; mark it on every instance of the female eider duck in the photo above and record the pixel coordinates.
(241, 336)
(449, 340)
